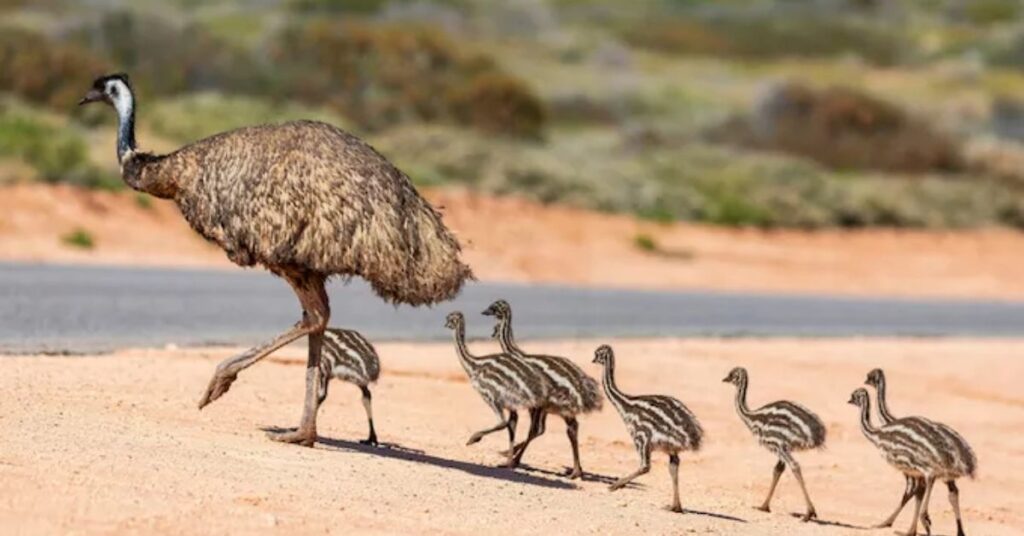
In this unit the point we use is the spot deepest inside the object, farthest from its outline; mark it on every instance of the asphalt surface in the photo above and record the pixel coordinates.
(56, 308)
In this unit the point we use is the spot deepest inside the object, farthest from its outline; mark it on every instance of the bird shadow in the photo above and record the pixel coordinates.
(724, 517)
(829, 523)
(398, 452)
(587, 476)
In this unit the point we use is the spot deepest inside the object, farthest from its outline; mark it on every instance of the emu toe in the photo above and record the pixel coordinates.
(295, 437)
(219, 384)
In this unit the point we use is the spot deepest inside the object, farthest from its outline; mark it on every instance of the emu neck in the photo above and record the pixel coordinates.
(610, 389)
(125, 128)
(505, 339)
(883, 407)
(465, 358)
(741, 399)
(870, 431)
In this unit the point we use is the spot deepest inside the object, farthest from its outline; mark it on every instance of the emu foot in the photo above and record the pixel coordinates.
(763, 508)
(573, 474)
(883, 525)
(811, 514)
(296, 437)
(677, 508)
(219, 384)
(926, 521)
(475, 438)
(371, 441)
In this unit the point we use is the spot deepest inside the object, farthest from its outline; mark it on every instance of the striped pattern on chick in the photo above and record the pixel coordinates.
(958, 455)
(570, 390)
(504, 382)
(782, 427)
(909, 445)
(655, 422)
(348, 356)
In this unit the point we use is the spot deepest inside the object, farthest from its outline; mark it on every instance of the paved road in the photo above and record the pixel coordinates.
(74, 308)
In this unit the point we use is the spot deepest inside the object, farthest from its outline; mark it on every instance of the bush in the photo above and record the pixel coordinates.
(380, 75)
(187, 118)
(57, 152)
(697, 182)
(79, 238)
(44, 72)
(766, 35)
(841, 128)
(171, 56)
(498, 103)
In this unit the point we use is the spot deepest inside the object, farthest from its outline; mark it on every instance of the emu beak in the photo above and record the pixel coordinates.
(92, 95)
(725, 379)
(488, 311)
(852, 401)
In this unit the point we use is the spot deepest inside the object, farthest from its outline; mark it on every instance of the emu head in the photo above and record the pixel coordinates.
(875, 378)
(737, 376)
(603, 355)
(453, 320)
(499, 309)
(859, 397)
(113, 89)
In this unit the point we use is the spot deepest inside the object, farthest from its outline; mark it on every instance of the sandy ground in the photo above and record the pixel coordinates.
(510, 239)
(114, 444)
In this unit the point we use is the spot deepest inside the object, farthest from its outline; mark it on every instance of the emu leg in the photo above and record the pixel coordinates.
(313, 295)
(502, 424)
(795, 468)
(537, 416)
(954, 500)
(227, 371)
(918, 497)
(645, 465)
(537, 428)
(572, 429)
(776, 474)
(673, 469)
(908, 492)
(367, 399)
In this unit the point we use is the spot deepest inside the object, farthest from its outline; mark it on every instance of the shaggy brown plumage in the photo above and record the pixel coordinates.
(307, 201)
(308, 194)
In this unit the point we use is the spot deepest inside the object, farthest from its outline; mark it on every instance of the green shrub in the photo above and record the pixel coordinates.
(44, 72)
(381, 75)
(841, 128)
(697, 182)
(645, 242)
(759, 34)
(57, 152)
(498, 103)
(79, 238)
(166, 56)
(193, 116)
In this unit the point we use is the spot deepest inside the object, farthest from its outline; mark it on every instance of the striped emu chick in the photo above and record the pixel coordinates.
(959, 455)
(655, 422)
(570, 391)
(505, 383)
(909, 445)
(783, 428)
(349, 357)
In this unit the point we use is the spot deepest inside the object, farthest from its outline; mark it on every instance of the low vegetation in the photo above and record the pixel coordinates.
(79, 238)
(780, 114)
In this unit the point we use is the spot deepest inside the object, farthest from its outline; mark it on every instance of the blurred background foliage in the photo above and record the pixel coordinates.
(771, 113)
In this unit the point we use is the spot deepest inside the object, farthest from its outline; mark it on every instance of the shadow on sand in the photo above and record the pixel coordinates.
(723, 517)
(587, 476)
(398, 452)
(829, 523)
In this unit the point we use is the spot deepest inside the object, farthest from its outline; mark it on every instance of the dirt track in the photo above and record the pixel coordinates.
(510, 239)
(114, 444)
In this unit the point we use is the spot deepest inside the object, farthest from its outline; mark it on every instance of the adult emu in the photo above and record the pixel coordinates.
(306, 201)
